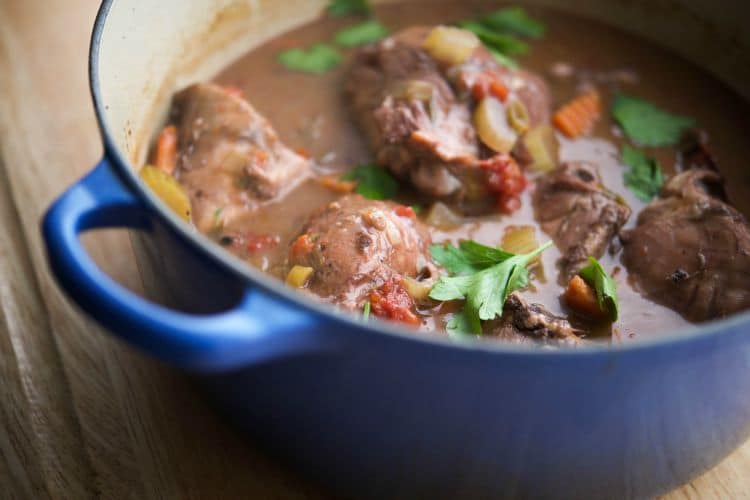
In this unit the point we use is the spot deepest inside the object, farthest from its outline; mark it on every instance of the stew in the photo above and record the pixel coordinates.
(465, 169)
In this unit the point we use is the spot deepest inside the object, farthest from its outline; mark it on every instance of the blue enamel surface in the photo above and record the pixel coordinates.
(255, 329)
(372, 414)
(375, 414)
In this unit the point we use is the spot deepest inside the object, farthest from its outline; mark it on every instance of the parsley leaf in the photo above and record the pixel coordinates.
(366, 312)
(361, 34)
(485, 291)
(505, 44)
(645, 177)
(452, 259)
(345, 7)
(514, 20)
(647, 125)
(459, 327)
(504, 60)
(604, 285)
(318, 59)
(469, 257)
(373, 182)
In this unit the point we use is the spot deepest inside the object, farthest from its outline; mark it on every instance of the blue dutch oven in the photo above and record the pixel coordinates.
(369, 409)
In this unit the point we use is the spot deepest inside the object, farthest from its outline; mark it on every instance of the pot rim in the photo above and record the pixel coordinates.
(254, 277)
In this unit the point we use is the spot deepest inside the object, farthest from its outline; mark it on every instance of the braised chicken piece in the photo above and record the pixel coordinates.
(690, 250)
(357, 247)
(580, 215)
(526, 323)
(230, 159)
(419, 116)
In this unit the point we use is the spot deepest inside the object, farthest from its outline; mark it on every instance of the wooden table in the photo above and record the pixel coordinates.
(82, 415)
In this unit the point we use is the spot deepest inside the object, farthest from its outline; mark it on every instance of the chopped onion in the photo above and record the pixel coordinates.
(492, 125)
(419, 290)
(450, 45)
(299, 276)
(541, 147)
(518, 116)
(414, 90)
(519, 239)
(168, 189)
(442, 217)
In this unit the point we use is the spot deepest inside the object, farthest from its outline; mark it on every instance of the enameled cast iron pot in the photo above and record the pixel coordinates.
(369, 409)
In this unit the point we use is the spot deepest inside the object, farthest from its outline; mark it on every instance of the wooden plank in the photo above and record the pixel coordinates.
(83, 416)
(138, 419)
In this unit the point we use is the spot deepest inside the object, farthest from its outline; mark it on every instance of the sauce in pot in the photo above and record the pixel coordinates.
(313, 117)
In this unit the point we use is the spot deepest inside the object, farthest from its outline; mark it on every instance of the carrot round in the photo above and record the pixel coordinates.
(489, 83)
(579, 115)
(165, 157)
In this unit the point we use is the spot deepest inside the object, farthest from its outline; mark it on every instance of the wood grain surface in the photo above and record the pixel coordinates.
(81, 415)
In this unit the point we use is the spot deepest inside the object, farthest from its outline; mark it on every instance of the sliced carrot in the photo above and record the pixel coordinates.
(165, 157)
(404, 211)
(581, 298)
(491, 84)
(498, 90)
(334, 183)
(579, 115)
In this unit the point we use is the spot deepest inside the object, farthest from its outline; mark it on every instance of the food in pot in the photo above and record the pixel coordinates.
(470, 170)
(229, 158)
(579, 213)
(690, 249)
(353, 243)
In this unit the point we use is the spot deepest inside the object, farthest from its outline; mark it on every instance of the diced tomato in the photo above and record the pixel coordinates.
(392, 301)
(303, 245)
(404, 211)
(506, 179)
(489, 83)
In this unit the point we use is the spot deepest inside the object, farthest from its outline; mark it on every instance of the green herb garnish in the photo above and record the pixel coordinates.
(373, 182)
(485, 290)
(345, 7)
(361, 34)
(469, 257)
(504, 60)
(418, 209)
(318, 59)
(497, 31)
(459, 326)
(218, 223)
(514, 20)
(644, 178)
(366, 312)
(604, 285)
(647, 125)
(501, 42)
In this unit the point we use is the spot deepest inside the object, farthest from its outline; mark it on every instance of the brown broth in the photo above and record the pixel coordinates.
(309, 114)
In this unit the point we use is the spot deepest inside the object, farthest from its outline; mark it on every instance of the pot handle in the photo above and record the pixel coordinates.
(259, 328)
